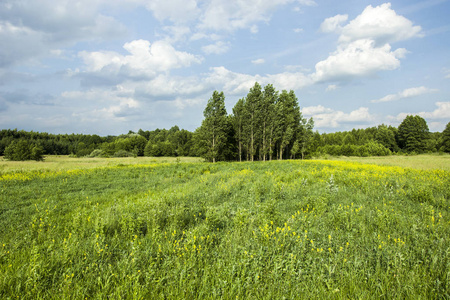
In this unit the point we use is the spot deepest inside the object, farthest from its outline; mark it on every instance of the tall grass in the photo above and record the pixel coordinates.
(272, 230)
(423, 161)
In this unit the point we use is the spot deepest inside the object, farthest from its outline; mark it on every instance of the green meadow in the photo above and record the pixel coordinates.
(182, 229)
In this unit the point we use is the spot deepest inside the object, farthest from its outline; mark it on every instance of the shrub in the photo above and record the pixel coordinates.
(98, 153)
(23, 150)
(123, 153)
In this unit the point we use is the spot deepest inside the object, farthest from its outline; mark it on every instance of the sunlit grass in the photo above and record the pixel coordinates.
(422, 161)
(263, 230)
(65, 162)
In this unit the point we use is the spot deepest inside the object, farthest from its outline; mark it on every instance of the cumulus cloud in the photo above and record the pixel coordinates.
(105, 103)
(441, 112)
(314, 110)
(407, 93)
(333, 24)
(31, 29)
(364, 44)
(176, 33)
(145, 60)
(329, 118)
(239, 83)
(166, 87)
(360, 58)
(380, 23)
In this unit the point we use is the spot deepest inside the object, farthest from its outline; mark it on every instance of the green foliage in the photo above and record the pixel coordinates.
(23, 150)
(165, 148)
(386, 137)
(131, 143)
(369, 149)
(83, 145)
(98, 153)
(211, 136)
(446, 138)
(293, 229)
(413, 134)
(268, 124)
(124, 153)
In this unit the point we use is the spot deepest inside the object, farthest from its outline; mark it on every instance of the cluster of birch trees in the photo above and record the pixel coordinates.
(264, 125)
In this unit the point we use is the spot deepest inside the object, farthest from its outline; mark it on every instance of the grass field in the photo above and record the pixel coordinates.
(423, 161)
(64, 163)
(192, 230)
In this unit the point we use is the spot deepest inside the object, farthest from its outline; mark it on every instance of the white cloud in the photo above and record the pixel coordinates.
(200, 35)
(239, 83)
(230, 82)
(176, 33)
(288, 80)
(360, 58)
(19, 43)
(108, 104)
(145, 59)
(298, 30)
(166, 87)
(441, 112)
(218, 47)
(329, 118)
(233, 15)
(314, 110)
(32, 29)
(380, 23)
(333, 24)
(364, 44)
(258, 61)
(177, 11)
(407, 93)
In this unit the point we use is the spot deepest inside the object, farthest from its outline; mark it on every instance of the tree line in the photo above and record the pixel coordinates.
(264, 125)
(18, 144)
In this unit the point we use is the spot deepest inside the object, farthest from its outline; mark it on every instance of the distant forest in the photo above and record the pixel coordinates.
(264, 125)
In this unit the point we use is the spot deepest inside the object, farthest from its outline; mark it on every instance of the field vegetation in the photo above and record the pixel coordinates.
(422, 162)
(251, 230)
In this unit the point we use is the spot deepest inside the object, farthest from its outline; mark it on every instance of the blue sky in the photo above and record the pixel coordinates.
(109, 66)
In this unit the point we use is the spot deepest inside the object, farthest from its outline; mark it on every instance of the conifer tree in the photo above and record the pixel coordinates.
(413, 134)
